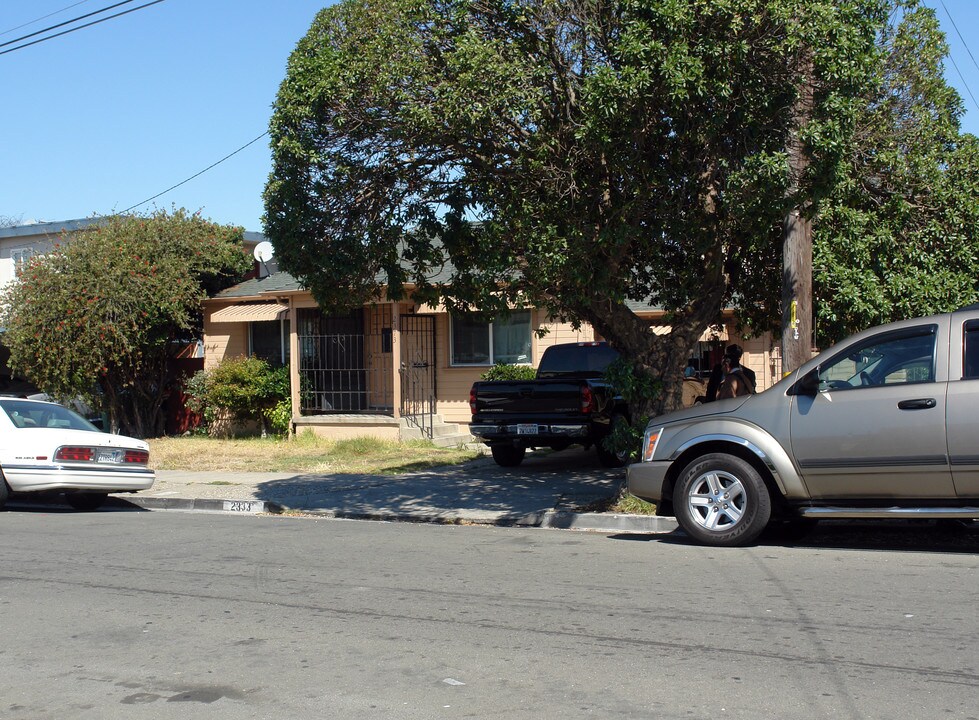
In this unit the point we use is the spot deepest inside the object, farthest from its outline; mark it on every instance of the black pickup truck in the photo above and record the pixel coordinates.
(568, 403)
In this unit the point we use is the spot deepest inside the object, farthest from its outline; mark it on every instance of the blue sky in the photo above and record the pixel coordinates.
(101, 119)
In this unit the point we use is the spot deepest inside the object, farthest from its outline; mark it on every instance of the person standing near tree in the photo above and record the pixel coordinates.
(742, 378)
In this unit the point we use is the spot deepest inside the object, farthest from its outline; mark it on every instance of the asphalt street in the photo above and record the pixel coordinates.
(139, 614)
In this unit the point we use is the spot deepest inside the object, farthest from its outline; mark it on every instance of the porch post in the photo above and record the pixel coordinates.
(294, 356)
(396, 359)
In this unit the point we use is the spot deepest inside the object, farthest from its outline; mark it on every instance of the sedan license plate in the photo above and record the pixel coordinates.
(109, 456)
(526, 429)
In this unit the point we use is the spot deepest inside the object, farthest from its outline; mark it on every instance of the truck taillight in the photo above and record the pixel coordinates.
(587, 399)
(472, 399)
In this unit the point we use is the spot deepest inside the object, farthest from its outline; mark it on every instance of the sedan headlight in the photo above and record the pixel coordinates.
(649, 442)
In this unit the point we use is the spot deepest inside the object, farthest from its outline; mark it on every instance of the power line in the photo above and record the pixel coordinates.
(964, 43)
(66, 22)
(43, 17)
(251, 142)
(966, 46)
(80, 27)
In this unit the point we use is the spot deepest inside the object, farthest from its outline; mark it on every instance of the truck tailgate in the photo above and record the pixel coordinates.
(497, 400)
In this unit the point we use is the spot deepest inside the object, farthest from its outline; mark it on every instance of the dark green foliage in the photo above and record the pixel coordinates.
(610, 151)
(899, 237)
(503, 371)
(633, 386)
(243, 389)
(100, 316)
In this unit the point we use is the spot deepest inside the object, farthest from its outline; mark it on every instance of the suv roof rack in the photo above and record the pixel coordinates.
(973, 306)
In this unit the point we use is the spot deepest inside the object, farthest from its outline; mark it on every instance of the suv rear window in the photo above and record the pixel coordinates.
(970, 351)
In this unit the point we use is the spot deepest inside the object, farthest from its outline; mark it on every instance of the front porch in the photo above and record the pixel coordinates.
(372, 371)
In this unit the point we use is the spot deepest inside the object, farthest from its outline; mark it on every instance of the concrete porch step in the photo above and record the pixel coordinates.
(443, 434)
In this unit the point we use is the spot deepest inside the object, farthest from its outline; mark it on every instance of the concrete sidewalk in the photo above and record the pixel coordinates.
(550, 490)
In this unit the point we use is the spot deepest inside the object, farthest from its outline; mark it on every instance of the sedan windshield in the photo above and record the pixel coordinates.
(27, 414)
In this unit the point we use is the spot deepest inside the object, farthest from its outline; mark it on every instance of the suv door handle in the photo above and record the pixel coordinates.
(919, 404)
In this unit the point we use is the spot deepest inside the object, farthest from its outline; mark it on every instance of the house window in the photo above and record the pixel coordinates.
(20, 256)
(505, 340)
(269, 340)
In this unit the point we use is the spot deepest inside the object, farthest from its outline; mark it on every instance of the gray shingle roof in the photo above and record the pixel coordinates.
(277, 282)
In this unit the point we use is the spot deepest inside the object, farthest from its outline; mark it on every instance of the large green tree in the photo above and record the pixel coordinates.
(100, 316)
(899, 237)
(568, 154)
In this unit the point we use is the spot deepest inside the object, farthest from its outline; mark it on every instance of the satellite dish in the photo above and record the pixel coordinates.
(263, 251)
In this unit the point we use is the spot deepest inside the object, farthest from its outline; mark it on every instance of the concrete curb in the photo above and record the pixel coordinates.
(550, 519)
(248, 507)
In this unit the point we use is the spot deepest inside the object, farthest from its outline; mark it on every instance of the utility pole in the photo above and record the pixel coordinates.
(797, 233)
(796, 290)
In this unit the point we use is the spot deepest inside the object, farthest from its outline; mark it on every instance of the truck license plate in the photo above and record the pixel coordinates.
(525, 429)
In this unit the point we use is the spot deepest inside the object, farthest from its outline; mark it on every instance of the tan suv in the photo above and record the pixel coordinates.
(883, 425)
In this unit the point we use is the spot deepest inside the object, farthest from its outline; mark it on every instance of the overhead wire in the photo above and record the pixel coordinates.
(43, 17)
(80, 27)
(966, 46)
(183, 182)
(91, 14)
(66, 22)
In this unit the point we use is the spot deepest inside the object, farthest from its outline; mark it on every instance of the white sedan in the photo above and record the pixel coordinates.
(47, 447)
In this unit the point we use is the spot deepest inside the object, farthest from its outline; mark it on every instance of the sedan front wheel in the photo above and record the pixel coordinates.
(722, 500)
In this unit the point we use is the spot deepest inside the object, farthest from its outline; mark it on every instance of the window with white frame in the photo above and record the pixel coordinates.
(504, 340)
(20, 256)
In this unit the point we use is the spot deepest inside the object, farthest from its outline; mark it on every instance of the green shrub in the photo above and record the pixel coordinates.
(279, 417)
(243, 389)
(502, 371)
(632, 386)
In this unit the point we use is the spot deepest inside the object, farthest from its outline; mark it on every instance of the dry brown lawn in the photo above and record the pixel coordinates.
(304, 453)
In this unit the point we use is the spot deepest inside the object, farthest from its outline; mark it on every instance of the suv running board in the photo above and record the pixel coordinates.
(891, 512)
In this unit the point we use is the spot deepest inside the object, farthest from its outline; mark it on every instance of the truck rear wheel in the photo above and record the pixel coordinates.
(507, 455)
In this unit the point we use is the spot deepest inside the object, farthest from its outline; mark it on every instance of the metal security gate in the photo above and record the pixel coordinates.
(345, 362)
(418, 388)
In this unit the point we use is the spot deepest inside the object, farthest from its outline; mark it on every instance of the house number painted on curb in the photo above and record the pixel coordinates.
(242, 506)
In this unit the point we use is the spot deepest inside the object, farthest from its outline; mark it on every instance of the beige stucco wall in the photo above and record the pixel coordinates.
(222, 340)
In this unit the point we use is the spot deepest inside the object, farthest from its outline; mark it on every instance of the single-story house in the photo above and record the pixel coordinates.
(401, 369)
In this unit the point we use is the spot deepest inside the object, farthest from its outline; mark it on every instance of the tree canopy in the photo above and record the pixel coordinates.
(567, 154)
(100, 316)
(899, 236)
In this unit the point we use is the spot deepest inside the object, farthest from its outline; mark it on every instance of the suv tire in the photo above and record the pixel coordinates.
(722, 500)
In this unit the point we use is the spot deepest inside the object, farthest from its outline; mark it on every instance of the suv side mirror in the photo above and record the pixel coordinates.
(807, 385)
